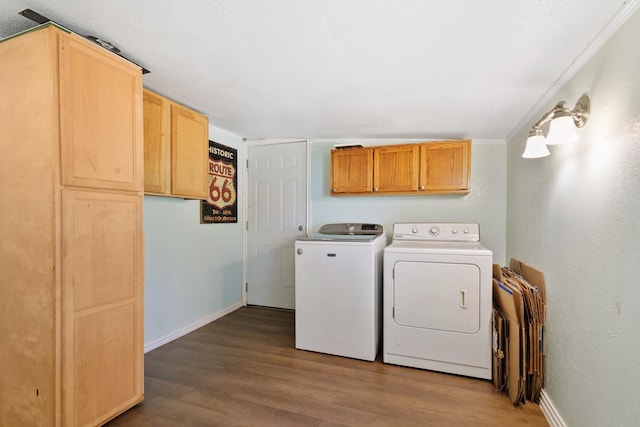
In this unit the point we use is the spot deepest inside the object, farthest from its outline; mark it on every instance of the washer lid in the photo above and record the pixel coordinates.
(339, 237)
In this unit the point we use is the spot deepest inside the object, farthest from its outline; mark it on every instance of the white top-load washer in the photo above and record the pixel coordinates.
(437, 296)
(338, 280)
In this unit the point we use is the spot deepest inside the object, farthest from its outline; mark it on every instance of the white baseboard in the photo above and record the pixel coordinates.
(550, 412)
(190, 328)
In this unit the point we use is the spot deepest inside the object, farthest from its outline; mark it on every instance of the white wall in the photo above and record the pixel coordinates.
(193, 271)
(575, 216)
(485, 204)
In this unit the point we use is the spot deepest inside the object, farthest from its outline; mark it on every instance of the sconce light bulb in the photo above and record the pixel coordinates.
(562, 130)
(536, 146)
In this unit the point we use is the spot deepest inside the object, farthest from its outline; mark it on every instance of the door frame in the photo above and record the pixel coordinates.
(245, 191)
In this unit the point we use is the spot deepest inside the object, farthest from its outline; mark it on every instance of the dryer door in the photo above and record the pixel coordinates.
(440, 296)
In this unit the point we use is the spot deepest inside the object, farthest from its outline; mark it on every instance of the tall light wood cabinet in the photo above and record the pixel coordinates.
(176, 149)
(71, 272)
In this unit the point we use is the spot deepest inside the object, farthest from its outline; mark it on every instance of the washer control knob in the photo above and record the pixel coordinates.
(414, 230)
(465, 231)
(299, 251)
(454, 231)
(434, 231)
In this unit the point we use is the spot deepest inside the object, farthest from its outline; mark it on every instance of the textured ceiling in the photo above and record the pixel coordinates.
(347, 68)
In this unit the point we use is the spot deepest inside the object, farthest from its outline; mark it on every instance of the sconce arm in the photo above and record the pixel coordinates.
(579, 114)
(560, 107)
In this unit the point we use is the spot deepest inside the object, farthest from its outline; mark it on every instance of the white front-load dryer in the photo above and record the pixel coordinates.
(437, 299)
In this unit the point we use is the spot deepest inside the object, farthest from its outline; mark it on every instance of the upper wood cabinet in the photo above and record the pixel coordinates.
(445, 167)
(71, 181)
(351, 170)
(157, 162)
(176, 149)
(440, 167)
(395, 168)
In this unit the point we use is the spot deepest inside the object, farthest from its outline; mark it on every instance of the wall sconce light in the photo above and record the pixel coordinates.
(562, 129)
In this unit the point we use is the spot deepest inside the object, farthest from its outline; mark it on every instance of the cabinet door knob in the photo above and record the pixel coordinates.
(375, 188)
(421, 187)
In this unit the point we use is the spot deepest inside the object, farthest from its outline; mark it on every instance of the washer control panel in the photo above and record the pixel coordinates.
(348, 228)
(437, 231)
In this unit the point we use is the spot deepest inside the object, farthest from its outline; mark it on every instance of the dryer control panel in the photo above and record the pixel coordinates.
(437, 231)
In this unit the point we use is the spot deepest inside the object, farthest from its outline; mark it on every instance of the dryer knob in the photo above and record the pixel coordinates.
(299, 251)
(434, 231)
(414, 230)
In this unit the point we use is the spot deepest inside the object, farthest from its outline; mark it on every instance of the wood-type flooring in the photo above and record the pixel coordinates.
(244, 370)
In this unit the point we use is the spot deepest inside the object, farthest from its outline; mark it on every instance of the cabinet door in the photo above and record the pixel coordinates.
(189, 153)
(100, 117)
(351, 170)
(156, 143)
(444, 166)
(395, 168)
(102, 319)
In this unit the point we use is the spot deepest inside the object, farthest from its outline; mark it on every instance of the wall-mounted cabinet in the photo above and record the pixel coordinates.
(71, 182)
(396, 168)
(445, 167)
(351, 170)
(440, 167)
(176, 149)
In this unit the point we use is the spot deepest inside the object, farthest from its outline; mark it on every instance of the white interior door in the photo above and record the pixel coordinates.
(277, 212)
